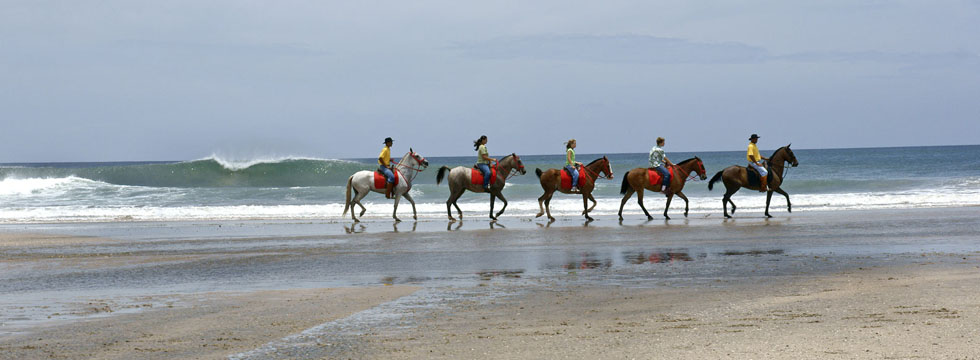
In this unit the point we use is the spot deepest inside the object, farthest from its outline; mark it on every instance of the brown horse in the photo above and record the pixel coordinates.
(551, 181)
(736, 177)
(637, 179)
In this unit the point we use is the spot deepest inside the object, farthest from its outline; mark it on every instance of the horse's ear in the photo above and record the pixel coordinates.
(410, 150)
(790, 144)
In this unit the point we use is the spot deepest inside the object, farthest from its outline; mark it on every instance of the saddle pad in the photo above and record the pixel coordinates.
(379, 179)
(476, 178)
(655, 177)
(566, 179)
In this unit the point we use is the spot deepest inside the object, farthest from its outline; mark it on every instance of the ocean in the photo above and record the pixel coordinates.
(216, 188)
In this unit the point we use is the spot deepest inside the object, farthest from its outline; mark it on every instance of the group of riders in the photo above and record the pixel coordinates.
(658, 162)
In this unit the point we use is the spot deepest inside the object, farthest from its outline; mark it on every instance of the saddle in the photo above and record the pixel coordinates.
(476, 177)
(566, 179)
(754, 177)
(380, 180)
(655, 178)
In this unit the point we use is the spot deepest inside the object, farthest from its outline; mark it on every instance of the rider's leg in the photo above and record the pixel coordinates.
(390, 180)
(666, 177)
(763, 174)
(485, 169)
(574, 174)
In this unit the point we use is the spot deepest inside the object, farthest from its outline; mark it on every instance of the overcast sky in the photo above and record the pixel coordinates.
(178, 80)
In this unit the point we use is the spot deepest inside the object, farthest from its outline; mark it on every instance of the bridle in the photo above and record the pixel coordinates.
(595, 174)
(513, 171)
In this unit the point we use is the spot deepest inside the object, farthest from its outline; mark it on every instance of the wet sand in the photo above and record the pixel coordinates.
(866, 284)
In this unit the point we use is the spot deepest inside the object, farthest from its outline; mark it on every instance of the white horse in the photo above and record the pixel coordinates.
(362, 182)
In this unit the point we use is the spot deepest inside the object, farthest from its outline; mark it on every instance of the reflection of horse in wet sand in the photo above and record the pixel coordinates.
(366, 181)
(559, 180)
(464, 178)
(638, 179)
(736, 177)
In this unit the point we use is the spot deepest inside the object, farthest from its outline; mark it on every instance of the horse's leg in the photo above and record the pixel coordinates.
(768, 198)
(629, 192)
(547, 206)
(789, 206)
(501, 196)
(594, 203)
(394, 213)
(585, 206)
(686, 203)
(639, 199)
(492, 199)
(415, 215)
(546, 195)
(666, 207)
(357, 200)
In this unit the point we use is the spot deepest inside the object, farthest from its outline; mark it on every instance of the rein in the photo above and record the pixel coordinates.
(594, 174)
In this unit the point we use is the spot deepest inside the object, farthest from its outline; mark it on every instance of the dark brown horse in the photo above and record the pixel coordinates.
(638, 179)
(736, 177)
(551, 182)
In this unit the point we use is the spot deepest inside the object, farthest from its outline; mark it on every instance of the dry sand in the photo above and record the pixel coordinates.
(904, 313)
(211, 326)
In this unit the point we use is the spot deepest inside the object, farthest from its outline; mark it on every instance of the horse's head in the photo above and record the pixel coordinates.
(790, 157)
(700, 168)
(607, 167)
(419, 159)
(520, 164)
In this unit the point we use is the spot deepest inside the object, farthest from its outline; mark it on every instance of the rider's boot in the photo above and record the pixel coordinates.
(762, 187)
(388, 188)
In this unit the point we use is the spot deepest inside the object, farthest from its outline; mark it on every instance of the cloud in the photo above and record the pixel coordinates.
(614, 49)
(641, 49)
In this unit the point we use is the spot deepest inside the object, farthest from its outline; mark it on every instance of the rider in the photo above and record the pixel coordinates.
(384, 167)
(755, 161)
(570, 164)
(657, 161)
(483, 160)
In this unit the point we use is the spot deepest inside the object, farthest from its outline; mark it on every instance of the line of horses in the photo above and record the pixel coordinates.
(460, 179)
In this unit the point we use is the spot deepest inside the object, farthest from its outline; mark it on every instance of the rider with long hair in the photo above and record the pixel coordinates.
(384, 166)
(570, 164)
(483, 160)
(755, 161)
(658, 158)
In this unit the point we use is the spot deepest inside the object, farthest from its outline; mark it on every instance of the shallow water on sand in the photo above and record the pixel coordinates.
(120, 265)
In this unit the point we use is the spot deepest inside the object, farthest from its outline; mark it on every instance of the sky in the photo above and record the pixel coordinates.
(179, 80)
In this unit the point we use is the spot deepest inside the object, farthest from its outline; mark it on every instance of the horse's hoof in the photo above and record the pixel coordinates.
(589, 218)
(768, 216)
(398, 220)
(538, 215)
(685, 214)
(649, 217)
(666, 217)
(728, 216)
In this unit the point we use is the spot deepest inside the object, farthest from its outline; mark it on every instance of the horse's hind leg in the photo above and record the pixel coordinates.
(594, 203)
(357, 200)
(629, 192)
(453, 196)
(541, 200)
(547, 207)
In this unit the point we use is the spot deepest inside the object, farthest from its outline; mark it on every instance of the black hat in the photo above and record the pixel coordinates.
(387, 139)
(754, 136)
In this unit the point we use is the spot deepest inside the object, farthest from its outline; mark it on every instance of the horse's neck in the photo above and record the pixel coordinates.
(407, 167)
(595, 168)
(776, 162)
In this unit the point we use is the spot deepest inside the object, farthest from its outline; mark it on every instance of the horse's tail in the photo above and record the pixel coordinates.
(537, 171)
(711, 184)
(626, 183)
(347, 203)
(441, 174)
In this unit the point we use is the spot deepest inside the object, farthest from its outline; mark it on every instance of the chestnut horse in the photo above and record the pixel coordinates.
(459, 182)
(736, 177)
(551, 182)
(638, 179)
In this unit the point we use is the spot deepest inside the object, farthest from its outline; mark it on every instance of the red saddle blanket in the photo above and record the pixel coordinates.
(379, 179)
(476, 178)
(566, 179)
(655, 177)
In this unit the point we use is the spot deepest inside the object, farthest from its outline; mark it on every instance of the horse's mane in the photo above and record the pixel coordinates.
(595, 161)
(686, 161)
(777, 151)
(505, 157)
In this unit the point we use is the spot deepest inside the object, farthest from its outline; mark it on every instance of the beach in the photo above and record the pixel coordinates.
(871, 284)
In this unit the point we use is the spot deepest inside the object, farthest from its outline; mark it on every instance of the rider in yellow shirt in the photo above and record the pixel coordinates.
(756, 161)
(384, 167)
